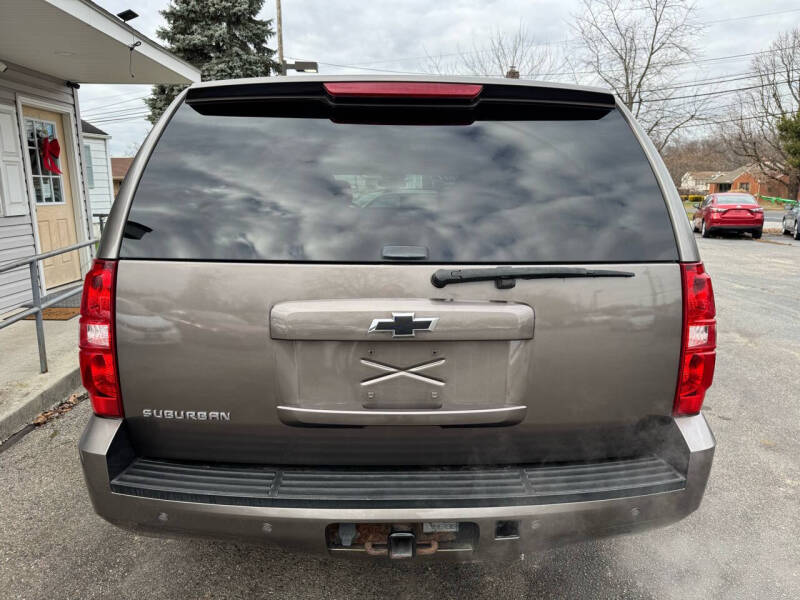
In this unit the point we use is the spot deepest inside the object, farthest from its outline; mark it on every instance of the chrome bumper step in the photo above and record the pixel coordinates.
(396, 487)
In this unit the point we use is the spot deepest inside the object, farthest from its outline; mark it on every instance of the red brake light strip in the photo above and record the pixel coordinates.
(394, 89)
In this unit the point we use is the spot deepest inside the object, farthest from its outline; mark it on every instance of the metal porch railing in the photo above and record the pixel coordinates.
(38, 305)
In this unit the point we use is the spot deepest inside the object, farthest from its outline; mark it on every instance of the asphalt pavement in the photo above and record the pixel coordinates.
(743, 542)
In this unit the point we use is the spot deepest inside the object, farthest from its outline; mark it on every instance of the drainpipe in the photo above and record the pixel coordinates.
(87, 252)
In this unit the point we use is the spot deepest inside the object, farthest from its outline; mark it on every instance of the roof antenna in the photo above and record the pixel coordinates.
(129, 15)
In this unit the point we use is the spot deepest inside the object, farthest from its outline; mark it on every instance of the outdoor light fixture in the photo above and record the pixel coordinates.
(127, 15)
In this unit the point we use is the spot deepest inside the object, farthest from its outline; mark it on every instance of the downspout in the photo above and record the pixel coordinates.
(87, 253)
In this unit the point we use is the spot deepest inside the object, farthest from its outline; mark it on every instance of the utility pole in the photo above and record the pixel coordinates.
(301, 66)
(282, 67)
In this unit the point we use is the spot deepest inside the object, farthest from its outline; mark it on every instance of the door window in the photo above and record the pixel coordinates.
(47, 184)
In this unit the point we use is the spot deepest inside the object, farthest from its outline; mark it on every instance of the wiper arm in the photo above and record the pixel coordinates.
(505, 277)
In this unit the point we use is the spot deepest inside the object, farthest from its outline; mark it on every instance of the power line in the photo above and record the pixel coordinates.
(711, 81)
(714, 80)
(567, 73)
(104, 98)
(121, 118)
(549, 43)
(450, 54)
(723, 107)
(124, 118)
(767, 14)
(368, 68)
(681, 85)
(114, 112)
(100, 109)
(734, 120)
(717, 93)
(717, 79)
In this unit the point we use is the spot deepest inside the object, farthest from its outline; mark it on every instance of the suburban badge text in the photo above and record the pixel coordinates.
(190, 415)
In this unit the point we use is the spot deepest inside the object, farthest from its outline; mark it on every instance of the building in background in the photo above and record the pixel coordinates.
(98, 173)
(119, 168)
(697, 182)
(752, 180)
(47, 48)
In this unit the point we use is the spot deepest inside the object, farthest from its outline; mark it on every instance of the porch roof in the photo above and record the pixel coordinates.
(78, 41)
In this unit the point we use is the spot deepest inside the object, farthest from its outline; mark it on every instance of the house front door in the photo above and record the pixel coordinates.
(55, 214)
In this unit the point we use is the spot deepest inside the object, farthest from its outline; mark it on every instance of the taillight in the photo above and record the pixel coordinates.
(98, 356)
(399, 89)
(699, 340)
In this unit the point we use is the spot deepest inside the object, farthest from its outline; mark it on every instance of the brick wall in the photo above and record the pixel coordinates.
(755, 184)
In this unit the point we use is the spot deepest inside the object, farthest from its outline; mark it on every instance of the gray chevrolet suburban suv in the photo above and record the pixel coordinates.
(436, 317)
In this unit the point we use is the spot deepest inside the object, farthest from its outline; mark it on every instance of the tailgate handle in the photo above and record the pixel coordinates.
(297, 416)
(351, 319)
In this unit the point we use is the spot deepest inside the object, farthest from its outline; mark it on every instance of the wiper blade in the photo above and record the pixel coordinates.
(505, 277)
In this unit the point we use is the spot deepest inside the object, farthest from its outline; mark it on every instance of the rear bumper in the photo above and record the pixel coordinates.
(735, 224)
(301, 525)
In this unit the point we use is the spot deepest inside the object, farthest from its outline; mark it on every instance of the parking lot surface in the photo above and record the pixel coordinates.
(741, 543)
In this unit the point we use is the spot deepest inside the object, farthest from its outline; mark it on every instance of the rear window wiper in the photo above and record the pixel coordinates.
(505, 277)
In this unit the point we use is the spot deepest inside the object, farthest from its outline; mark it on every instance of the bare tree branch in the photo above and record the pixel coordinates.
(774, 94)
(495, 54)
(636, 47)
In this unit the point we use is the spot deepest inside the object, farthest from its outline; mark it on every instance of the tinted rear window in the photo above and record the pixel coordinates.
(278, 188)
(736, 199)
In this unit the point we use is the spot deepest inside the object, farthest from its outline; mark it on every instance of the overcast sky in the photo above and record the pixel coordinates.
(397, 36)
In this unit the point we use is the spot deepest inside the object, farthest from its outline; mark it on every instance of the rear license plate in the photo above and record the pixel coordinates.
(440, 527)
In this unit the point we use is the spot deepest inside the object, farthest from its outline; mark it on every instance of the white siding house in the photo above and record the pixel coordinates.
(49, 190)
(23, 92)
(98, 172)
(697, 182)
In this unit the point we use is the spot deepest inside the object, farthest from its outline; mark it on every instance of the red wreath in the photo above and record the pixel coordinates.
(50, 152)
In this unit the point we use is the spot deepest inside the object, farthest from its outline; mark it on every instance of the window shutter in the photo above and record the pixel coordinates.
(13, 195)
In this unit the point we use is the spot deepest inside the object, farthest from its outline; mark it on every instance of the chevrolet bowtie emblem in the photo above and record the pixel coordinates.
(403, 324)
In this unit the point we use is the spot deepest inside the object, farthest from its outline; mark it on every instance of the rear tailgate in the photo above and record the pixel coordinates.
(274, 293)
(195, 337)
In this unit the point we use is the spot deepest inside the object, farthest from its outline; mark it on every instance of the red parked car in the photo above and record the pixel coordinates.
(734, 212)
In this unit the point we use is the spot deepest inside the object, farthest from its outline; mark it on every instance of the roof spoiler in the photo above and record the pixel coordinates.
(309, 90)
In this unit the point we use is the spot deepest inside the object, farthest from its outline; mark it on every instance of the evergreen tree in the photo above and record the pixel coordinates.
(222, 38)
(789, 136)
